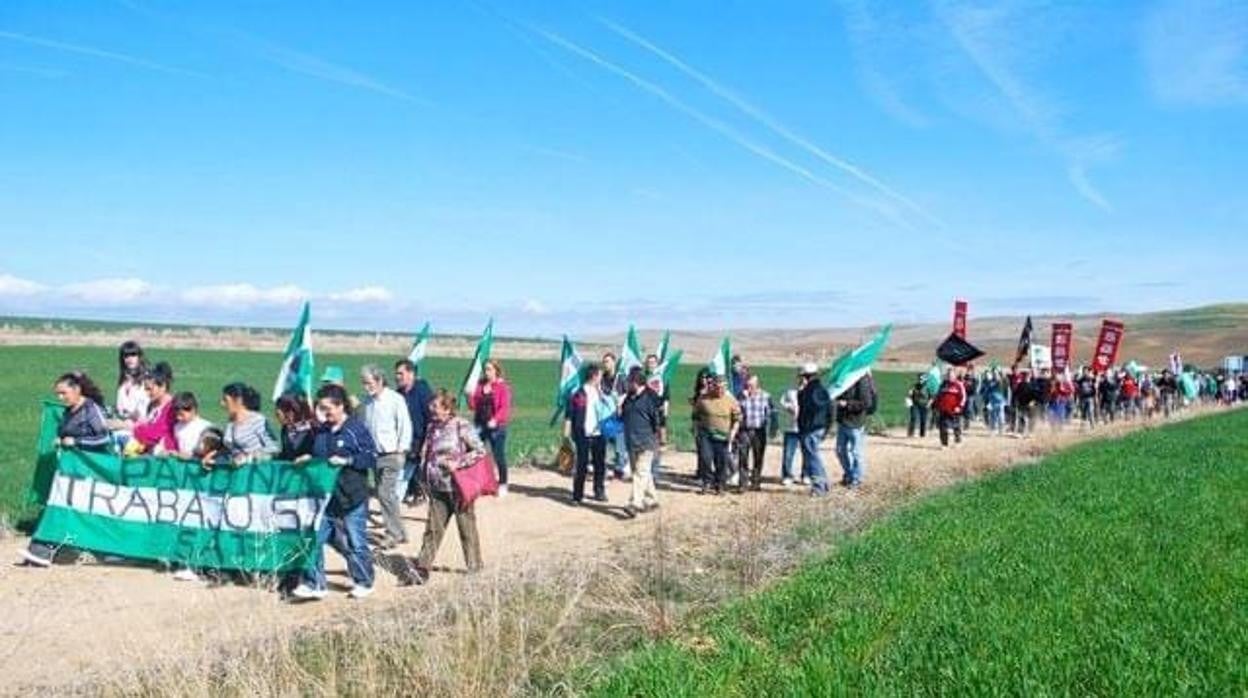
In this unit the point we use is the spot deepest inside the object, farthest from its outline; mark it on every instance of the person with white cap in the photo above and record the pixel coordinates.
(814, 414)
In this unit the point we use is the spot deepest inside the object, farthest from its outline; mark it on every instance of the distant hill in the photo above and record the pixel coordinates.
(1204, 335)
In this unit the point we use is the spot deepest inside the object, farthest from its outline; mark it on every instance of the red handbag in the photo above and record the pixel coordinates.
(475, 481)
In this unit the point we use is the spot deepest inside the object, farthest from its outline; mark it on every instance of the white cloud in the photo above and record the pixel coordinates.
(13, 286)
(535, 307)
(364, 294)
(1196, 52)
(109, 291)
(233, 295)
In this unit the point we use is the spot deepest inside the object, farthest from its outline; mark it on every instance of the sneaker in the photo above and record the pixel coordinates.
(502, 490)
(360, 592)
(186, 574)
(303, 591)
(805, 481)
(34, 559)
(787, 482)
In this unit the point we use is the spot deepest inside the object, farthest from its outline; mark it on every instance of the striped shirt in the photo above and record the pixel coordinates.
(250, 437)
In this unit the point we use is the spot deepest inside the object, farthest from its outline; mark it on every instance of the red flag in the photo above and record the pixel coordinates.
(1107, 345)
(1061, 347)
(959, 318)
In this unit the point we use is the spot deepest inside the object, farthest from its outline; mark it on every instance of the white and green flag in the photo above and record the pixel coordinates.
(630, 354)
(295, 375)
(260, 517)
(721, 361)
(420, 347)
(665, 343)
(664, 372)
(482, 355)
(569, 377)
(851, 366)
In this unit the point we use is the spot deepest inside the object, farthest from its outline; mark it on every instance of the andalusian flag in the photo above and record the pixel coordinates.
(260, 517)
(569, 378)
(852, 366)
(295, 375)
(630, 354)
(420, 347)
(478, 362)
(721, 361)
(664, 344)
(664, 373)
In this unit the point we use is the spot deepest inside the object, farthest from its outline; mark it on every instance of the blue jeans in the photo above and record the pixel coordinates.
(791, 443)
(496, 439)
(346, 533)
(621, 453)
(410, 484)
(849, 442)
(812, 462)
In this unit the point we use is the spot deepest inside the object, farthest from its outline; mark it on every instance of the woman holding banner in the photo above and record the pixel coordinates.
(345, 443)
(82, 427)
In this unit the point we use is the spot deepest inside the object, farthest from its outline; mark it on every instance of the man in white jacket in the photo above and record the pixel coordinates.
(390, 425)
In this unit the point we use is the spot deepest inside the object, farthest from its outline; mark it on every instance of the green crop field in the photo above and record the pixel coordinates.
(31, 370)
(1115, 568)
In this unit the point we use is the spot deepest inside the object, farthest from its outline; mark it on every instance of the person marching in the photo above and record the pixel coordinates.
(919, 401)
(451, 443)
(814, 415)
(853, 408)
(642, 414)
(490, 403)
(390, 426)
(950, 401)
(584, 414)
(718, 415)
(757, 408)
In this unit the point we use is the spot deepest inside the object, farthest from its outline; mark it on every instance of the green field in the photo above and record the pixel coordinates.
(1115, 568)
(31, 371)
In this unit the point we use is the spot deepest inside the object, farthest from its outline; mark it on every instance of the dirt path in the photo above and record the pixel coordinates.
(60, 624)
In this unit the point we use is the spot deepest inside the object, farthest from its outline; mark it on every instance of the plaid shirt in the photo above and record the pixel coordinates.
(757, 409)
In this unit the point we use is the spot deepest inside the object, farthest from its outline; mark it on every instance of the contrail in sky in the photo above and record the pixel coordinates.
(98, 53)
(766, 119)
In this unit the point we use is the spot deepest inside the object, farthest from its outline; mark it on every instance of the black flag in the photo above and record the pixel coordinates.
(1024, 343)
(957, 351)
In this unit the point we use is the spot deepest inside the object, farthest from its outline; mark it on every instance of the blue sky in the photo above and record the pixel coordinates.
(578, 166)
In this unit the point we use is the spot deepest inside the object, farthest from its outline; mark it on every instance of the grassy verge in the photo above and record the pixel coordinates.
(1118, 568)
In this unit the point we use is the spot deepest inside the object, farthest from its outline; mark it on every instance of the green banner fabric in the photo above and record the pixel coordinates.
(260, 517)
(45, 452)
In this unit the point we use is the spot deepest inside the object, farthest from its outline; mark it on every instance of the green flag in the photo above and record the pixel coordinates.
(664, 345)
(260, 517)
(721, 361)
(630, 354)
(569, 378)
(420, 347)
(851, 366)
(667, 369)
(45, 452)
(295, 375)
(482, 355)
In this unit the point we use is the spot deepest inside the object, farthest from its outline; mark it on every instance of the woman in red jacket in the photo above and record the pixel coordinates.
(950, 401)
(491, 411)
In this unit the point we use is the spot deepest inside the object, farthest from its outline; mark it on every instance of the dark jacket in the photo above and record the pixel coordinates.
(643, 415)
(86, 427)
(418, 399)
(297, 441)
(858, 401)
(353, 442)
(919, 395)
(814, 407)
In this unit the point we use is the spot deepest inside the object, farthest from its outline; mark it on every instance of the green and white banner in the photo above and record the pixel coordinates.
(260, 517)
